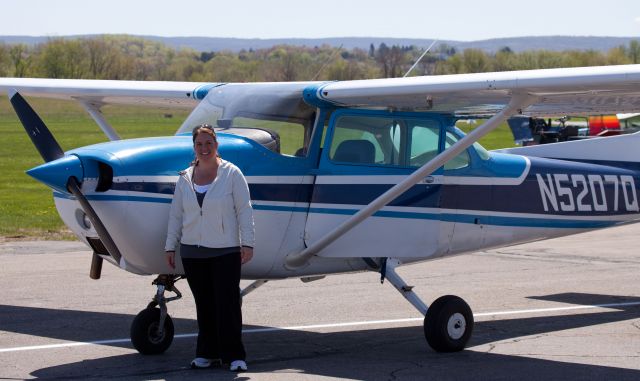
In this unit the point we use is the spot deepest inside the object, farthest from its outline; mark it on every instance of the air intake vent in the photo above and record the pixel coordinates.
(105, 179)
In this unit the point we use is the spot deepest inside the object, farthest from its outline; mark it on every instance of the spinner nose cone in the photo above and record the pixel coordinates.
(56, 173)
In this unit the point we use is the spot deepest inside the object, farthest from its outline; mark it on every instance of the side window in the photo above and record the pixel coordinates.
(363, 140)
(384, 140)
(396, 142)
(460, 161)
(424, 143)
(289, 135)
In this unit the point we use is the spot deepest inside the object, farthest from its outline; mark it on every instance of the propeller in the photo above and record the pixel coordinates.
(51, 151)
(40, 135)
(73, 185)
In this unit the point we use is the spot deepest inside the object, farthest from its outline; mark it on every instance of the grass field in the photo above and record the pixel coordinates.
(501, 137)
(26, 206)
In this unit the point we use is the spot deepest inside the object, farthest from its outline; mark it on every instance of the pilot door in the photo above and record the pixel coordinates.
(365, 154)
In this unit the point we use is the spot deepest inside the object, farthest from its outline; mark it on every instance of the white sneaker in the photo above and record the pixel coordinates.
(238, 366)
(201, 363)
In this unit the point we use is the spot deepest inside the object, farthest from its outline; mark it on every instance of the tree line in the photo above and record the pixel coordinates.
(134, 58)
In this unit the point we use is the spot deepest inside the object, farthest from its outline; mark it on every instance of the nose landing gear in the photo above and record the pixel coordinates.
(152, 329)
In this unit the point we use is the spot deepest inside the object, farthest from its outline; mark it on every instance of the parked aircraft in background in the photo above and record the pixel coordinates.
(530, 131)
(346, 176)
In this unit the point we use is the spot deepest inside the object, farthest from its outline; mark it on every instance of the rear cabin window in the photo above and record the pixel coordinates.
(290, 135)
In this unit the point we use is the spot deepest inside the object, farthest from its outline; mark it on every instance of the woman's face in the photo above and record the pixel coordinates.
(206, 147)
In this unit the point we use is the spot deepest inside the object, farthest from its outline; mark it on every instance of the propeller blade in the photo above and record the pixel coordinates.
(50, 150)
(39, 133)
(74, 187)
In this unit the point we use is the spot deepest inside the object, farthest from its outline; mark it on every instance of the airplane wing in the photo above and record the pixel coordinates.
(102, 92)
(93, 94)
(572, 91)
(627, 116)
(558, 92)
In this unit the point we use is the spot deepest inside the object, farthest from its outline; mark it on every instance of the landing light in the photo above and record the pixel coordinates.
(83, 219)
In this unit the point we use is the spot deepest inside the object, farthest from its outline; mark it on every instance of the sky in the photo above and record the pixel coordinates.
(462, 20)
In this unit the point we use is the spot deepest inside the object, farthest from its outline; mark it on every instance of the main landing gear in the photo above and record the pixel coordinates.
(152, 329)
(448, 322)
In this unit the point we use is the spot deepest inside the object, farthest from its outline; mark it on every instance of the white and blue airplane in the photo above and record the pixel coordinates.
(346, 176)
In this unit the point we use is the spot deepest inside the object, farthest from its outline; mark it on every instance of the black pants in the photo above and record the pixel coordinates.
(215, 284)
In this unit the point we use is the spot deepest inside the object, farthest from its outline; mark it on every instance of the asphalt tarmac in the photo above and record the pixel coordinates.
(561, 309)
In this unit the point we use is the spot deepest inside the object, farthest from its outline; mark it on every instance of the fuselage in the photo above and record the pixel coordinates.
(311, 165)
(511, 199)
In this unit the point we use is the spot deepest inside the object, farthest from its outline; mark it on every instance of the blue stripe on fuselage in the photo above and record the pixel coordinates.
(454, 217)
(145, 187)
(628, 165)
(467, 218)
(113, 197)
(425, 196)
(523, 198)
(488, 200)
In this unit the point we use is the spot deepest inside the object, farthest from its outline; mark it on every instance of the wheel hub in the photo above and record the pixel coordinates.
(154, 334)
(456, 326)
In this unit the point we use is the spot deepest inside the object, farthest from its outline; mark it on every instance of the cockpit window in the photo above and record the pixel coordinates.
(273, 114)
(384, 140)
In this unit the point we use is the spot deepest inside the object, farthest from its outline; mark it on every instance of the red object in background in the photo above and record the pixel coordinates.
(604, 125)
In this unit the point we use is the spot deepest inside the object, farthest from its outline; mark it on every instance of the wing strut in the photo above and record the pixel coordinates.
(515, 106)
(97, 116)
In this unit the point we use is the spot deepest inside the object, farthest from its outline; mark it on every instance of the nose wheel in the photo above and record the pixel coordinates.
(152, 329)
(147, 335)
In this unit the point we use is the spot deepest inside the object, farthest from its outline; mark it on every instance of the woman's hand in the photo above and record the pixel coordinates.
(246, 253)
(171, 259)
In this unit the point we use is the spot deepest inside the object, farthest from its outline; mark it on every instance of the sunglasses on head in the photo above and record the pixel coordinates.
(194, 133)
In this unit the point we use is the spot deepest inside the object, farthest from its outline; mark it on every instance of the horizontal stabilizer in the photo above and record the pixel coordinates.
(621, 148)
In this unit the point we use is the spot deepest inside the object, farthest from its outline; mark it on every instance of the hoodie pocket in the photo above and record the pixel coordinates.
(216, 220)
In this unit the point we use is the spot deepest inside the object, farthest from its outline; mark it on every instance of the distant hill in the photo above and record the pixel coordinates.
(516, 44)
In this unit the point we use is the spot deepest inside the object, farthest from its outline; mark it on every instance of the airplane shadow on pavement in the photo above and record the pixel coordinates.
(372, 354)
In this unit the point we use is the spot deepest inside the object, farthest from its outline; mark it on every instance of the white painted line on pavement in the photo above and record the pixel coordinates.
(556, 309)
(334, 325)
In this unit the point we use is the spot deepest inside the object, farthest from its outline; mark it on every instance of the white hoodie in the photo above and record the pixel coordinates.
(225, 218)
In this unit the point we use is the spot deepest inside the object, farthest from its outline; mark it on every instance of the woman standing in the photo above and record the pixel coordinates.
(212, 220)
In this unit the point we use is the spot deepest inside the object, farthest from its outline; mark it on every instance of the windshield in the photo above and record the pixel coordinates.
(272, 111)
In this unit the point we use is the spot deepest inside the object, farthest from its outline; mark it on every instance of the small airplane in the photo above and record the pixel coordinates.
(349, 176)
(530, 131)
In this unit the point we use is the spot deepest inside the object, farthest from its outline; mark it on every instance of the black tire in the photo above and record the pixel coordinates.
(448, 324)
(144, 330)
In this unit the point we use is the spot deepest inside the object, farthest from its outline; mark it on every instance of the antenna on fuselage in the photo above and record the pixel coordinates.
(327, 62)
(420, 58)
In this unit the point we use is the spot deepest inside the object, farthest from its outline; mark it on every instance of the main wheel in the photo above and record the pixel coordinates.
(144, 332)
(448, 324)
